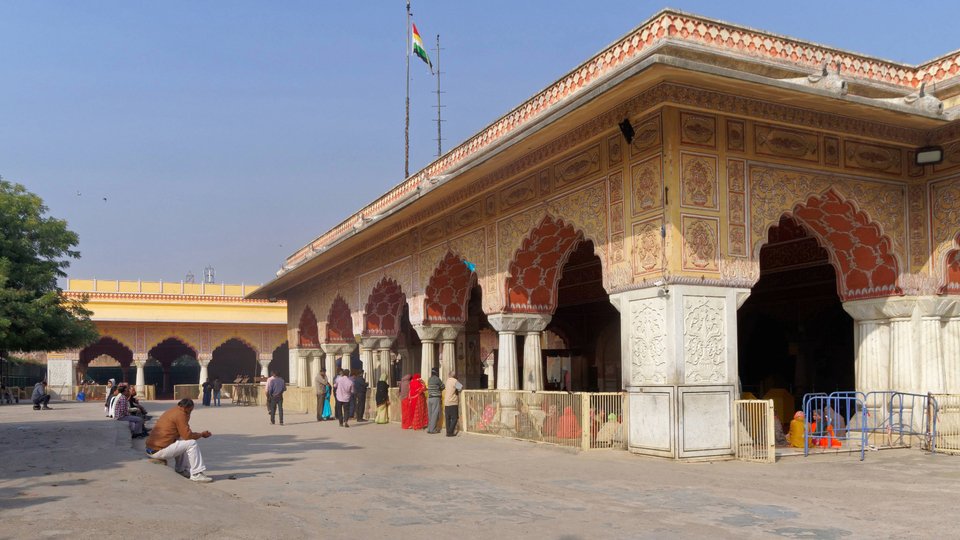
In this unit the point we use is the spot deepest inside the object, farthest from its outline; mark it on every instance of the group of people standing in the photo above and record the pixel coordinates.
(420, 403)
(349, 388)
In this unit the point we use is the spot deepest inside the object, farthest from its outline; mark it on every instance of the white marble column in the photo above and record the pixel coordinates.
(931, 355)
(204, 360)
(369, 361)
(429, 335)
(330, 363)
(264, 361)
(294, 366)
(507, 326)
(951, 355)
(140, 360)
(533, 353)
(903, 368)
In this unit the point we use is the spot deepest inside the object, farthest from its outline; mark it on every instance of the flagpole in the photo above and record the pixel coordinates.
(406, 129)
(439, 106)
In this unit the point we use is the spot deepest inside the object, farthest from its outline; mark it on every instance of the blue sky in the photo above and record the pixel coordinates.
(232, 133)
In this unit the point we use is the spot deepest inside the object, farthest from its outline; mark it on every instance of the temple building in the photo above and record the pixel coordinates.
(699, 210)
(169, 333)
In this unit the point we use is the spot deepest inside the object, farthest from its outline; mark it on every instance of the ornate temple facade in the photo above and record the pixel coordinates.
(652, 222)
(148, 328)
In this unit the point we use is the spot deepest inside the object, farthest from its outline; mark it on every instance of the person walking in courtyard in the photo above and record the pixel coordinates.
(217, 388)
(172, 438)
(109, 394)
(383, 400)
(360, 396)
(275, 389)
(40, 397)
(434, 393)
(451, 404)
(207, 391)
(321, 386)
(343, 388)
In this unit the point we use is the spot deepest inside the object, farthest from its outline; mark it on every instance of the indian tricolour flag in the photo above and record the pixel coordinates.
(418, 48)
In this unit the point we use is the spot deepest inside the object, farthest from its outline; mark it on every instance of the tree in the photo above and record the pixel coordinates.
(35, 249)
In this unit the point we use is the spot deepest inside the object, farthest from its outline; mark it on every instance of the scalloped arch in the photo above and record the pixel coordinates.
(448, 291)
(855, 244)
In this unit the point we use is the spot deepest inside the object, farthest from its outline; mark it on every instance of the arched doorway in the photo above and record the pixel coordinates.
(175, 368)
(793, 333)
(589, 323)
(280, 362)
(106, 359)
(233, 357)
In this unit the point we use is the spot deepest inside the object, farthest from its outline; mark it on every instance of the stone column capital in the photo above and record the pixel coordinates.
(338, 349)
(519, 323)
(140, 357)
(428, 332)
(204, 358)
(266, 357)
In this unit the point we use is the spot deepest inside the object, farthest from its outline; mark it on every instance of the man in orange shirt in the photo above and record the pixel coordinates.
(172, 438)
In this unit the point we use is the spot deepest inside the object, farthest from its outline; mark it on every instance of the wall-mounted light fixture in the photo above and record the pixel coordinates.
(929, 155)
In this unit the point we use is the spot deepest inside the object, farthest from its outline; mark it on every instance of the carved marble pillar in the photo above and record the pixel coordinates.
(204, 360)
(429, 335)
(951, 355)
(140, 360)
(264, 361)
(533, 353)
(679, 364)
(903, 369)
(330, 364)
(448, 349)
(507, 327)
(371, 366)
(871, 345)
(341, 354)
(294, 366)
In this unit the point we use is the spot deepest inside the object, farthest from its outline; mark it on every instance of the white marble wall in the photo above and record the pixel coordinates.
(680, 367)
(909, 344)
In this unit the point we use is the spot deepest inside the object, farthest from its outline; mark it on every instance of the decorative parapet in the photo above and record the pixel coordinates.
(666, 26)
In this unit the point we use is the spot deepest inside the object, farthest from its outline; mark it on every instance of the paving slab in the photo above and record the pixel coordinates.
(71, 473)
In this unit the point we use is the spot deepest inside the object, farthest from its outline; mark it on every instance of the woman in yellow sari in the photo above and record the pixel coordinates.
(795, 436)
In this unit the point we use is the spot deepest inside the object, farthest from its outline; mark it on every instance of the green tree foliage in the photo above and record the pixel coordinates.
(34, 252)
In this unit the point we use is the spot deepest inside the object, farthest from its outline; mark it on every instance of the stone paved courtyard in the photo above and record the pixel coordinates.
(71, 473)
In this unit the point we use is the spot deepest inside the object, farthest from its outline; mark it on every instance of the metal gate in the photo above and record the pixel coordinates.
(754, 437)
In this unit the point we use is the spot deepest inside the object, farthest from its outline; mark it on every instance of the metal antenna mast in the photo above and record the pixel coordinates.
(438, 105)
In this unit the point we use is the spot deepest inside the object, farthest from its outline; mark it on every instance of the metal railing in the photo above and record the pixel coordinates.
(575, 420)
(754, 436)
(947, 422)
(828, 421)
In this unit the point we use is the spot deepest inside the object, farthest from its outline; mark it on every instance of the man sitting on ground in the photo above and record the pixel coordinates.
(172, 438)
(122, 413)
(40, 396)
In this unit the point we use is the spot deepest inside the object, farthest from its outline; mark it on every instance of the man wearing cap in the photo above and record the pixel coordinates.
(434, 391)
(172, 438)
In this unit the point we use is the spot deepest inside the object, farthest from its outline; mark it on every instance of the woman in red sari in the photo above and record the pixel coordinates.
(415, 406)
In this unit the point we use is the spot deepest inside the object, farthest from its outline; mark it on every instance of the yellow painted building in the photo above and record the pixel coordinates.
(156, 326)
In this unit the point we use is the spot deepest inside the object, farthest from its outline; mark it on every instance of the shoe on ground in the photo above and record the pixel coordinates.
(46, 408)
(36, 407)
(201, 478)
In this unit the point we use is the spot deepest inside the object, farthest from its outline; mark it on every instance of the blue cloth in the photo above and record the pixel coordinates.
(327, 413)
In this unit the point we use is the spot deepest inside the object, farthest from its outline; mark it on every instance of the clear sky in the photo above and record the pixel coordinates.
(179, 134)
